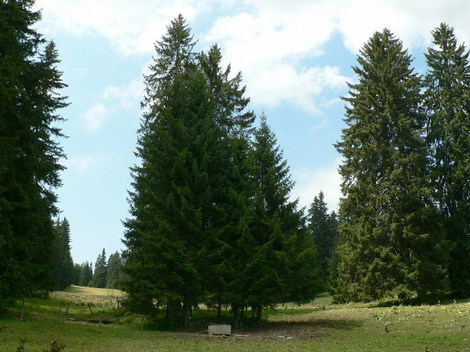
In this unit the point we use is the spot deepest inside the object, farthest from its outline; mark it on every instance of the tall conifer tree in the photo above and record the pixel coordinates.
(29, 151)
(173, 203)
(101, 271)
(234, 184)
(114, 272)
(324, 230)
(62, 263)
(280, 266)
(447, 98)
(86, 274)
(393, 246)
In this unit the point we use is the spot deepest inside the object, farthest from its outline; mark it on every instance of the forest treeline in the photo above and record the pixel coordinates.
(212, 219)
(104, 273)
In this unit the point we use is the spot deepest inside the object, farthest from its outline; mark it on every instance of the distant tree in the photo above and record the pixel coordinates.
(447, 99)
(392, 239)
(29, 150)
(62, 263)
(101, 271)
(114, 272)
(77, 269)
(324, 230)
(86, 274)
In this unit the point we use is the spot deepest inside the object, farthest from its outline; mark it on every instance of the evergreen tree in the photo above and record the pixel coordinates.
(393, 245)
(77, 269)
(173, 203)
(280, 256)
(101, 271)
(228, 96)
(29, 151)
(86, 274)
(324, 230)
(63, 268)
(234, 186)
(114, 273)
(447, 98)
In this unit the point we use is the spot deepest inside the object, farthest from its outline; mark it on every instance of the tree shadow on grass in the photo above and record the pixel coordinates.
(298, 330)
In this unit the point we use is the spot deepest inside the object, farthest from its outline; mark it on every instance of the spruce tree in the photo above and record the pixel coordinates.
(77, 269)
(86, 274)
(447, 99)
(234, 185)
(228, 95)
(393, 246)
(62, 263)
(173, 206)
(29, 151)
(280, 262)
(114, 272)
(324, 230)
(101, 271)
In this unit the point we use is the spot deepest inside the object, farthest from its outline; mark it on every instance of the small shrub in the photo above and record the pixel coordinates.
(55, 347)
(21, 347)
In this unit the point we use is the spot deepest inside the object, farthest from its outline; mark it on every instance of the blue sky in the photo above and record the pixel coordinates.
(295, 57)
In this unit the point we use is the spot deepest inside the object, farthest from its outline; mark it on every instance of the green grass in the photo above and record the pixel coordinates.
(318, 326)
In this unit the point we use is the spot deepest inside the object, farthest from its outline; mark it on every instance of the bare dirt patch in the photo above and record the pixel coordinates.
(281, 330)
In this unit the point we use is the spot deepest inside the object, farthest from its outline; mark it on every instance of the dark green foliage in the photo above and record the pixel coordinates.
(62, 264)
(29, 152)
(101, 271)
(173, 206)
(234, 186)
(447, 99)
(324, 230)
(114, 272)
(194, 234)
(77, 269)
(230, 103)
(393, 244)
(86, 274)
(280, 254)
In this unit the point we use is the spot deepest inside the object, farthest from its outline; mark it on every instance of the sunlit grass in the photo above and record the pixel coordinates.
(317, 326)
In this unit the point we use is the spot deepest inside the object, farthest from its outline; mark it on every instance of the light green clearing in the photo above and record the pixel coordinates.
(318, 326)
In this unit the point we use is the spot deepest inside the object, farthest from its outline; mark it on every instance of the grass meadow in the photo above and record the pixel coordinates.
(72, 317)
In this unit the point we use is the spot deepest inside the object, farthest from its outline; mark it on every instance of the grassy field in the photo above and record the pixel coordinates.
(72, 317)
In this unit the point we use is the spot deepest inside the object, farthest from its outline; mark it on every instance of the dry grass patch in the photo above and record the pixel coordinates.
(90, 295)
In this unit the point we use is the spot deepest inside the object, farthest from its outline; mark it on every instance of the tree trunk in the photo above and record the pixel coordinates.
(22, 311)
(259, 314)
(235, 316)
(219, 310)
(186, 311)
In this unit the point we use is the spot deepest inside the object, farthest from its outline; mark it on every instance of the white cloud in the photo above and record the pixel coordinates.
(411, 20)
(131, 26)
(126, 95)
(265, 39)
(82, 163)
(268, 40)
(310, 182)
(93, 118)
(286, 83)
(267, 47)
